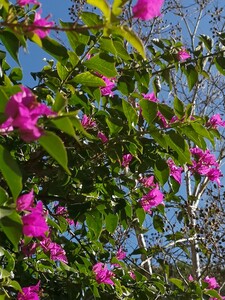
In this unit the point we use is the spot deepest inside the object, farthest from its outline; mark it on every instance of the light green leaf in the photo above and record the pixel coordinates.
(62, 71)
(131, 37)
(178, 107)
(91, 20)
(65, 125)
(103, 64)
(94, 223)
(179, 283)
(88, 79)
(10, 172)
(55, 147)
(60, 102)
(3, 196)
(103, 6)
(117, 6)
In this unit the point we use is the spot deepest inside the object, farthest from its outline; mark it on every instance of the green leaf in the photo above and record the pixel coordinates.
(130, 113)
(192, 76)
(12, 227)
(140, 213)
(193, 136)
(55, 49)
(11, 44)
(107, 45)
(213, 293)
(158, 223)
(121, 50)
(55, 147)
(65, 125)
(5, 212)
(88, 79)
(3, 196)
(176, 142)
(159, 137)
(201, 130)
(220, 64)
(16, 74)
(117, 6)
(149, 110)
(103, 6)
(103, 64)
(11, 172)
(179, 283)
(208, 42)
(91, 19)
(178, 108)
(113, 128)
(62, 71)
(4, 99)
(131, 37)
(111, 221)
(94, 223)
(60, 102)
(161, 171)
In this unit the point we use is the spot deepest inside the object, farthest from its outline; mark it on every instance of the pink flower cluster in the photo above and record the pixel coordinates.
(147, 181)
(152, 199)
(175, 171)
(22, 112)
(62, 211)
(29, 292)
(55, 250)
(127, 158)
(147, 9)
(110, 84)
(102, 274)
(27, 2)
(40, 26)
(34, 223)
(87, 122)
(216, 121)
(205, 164)
(182, 55)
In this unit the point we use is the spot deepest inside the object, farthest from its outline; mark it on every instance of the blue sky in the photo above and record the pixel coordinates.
(32, 60)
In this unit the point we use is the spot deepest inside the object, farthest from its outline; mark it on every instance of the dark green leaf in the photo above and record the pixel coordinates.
(11, 43)
(178, 108)
(55, 147)
(111, 222)
(130, 113)
(149, 110)
(176, 142)
(158, 223)
(55, 49)
(11, 172)
(161, 171)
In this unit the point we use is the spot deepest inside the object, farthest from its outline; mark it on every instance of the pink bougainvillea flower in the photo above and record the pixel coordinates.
(34, 223)
(62, 211)
(127, 158)
(182, 55)
(110, 84)
(43, 25)
(212, 283)
(205, 164)
(26, 2)
(175, 171)
(102, 274)
(22, 112)
(216, 121)
(55, 250)
(147, 9)
(152, 199)
(148, 181)
(25, 202)
(190, 278)
(120, 255)
(103, 137)
(29, 292)
(132, 275)
(150, 97)
(87, 122)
